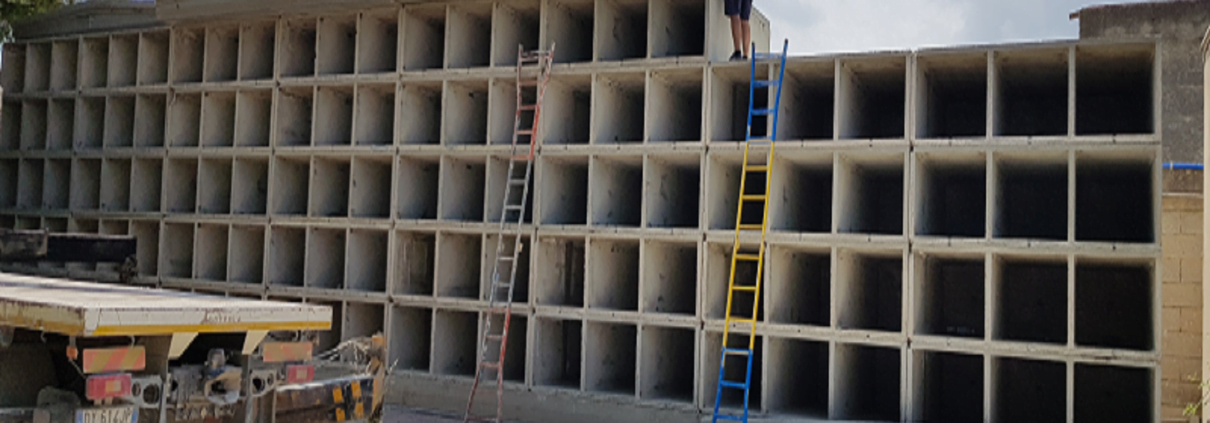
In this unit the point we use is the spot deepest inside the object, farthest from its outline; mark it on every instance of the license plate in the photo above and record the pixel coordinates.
(125, 414)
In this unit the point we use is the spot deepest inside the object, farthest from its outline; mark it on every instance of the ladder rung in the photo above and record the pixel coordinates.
(513, 207)
(490, 364)
(525, 132)
(503, 285)
(757, 168)
(529, 107)
(752, 197)
(743, 288)
(733, 385)
(747, 257)
(762, 112)
(764, 84)
(496, 338)
(759, 138)
(736, 351)
(505, 258)
(499, 310)
(516, 182)
(751, 321)
(528, 83)
(751, 227)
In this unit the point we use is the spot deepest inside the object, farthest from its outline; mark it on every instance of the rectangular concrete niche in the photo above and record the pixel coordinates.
(1115, 90)
(119, 121)
(246, 262)
(557, 357)
(257, 50)
(113, 227)
(673, 191)
(454, 337)
(1104, 393)
(564, 190)
(947, 387)
(622, 30)
(184, 120)
(64, 63)
(367, 269)
(329, 187)
(297, 47)
(153, 58)
(468, 35)
(210, 252)
(801, 193)
(464, 115)
(146, 176)
(424, 36)
(1029, 92)
(613, 269)
(1031, 196)
(123, 66)
(147, 236)
(12, 77)
(566, 111)
(9, 185)
(870, 290)
(669, 279)
(950, 292)
(214, 186)
(559, 276)
(336, 43)
(371, 186)
(520, 294)
(33, 125)
(667, 364)
(188, 55)
(458, 265)
(10, 134)
(514, 354)
(115, 185)
(1031, 300)
(614, 181)
(799, 385)
(333, 116)
(420, 114)
(218, 119)
(1028, 390)
(362, 320)
(89, 128)
(718, 275)
(610, 357)
(678, 95)
(951, 98)
(808, 101)
(291, 181)
(410, 337)
(150, 120)
(37, 67)
(800, 288)
(872, 95)
(462, 189)
(729, 96)
(418, 181)
(415, 263)
(94, 62)
(619, 111)
(515, 24)
(287, 255)
(253, 118)
(222, 53)
(1114, 305)
(873, 202)
(377, 41)
(1115, 198)
(331, 338)
(951, 194)
(29, 184)
(497, 177)
(569, 25)
(176, 254)
(294, 114)
(502, 116)
(60, 124)
(325, 261)
(678, 28)
(374, 115)
(85, 184)
(734, 370)
(56, 189)
(866, 383)
(180, 185)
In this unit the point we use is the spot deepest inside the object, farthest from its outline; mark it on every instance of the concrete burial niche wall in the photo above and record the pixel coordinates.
(953, 233)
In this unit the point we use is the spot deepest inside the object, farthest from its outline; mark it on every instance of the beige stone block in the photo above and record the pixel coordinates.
(1191, 223)
(1183, 245)
(1191, 320)
(1171, 412)
(1170, 319)
(1183, 349)
(1171, 272)
(1170, 221)
(1182, 295)
(1191, 269)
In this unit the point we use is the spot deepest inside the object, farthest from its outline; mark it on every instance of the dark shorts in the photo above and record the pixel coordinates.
(743, 8)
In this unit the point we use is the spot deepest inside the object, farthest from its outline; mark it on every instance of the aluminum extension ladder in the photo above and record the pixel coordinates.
(512, 217)
(740, 254)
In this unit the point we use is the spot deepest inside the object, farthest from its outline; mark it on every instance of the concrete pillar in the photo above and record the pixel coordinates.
(1205, 373)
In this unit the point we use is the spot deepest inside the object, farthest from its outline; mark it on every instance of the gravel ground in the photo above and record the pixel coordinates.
(403, 415)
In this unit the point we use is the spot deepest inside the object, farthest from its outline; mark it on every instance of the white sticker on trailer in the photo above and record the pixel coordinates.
(128, 414)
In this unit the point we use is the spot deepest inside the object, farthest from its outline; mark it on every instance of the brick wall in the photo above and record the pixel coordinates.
(1182, 309)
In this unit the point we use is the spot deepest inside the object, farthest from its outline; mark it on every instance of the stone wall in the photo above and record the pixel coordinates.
(1182, 309)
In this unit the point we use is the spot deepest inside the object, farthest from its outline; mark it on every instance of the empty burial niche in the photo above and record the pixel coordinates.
(609, 362)
(1114, 305)
(247, 254)
(411, 332)
(559, 278)
(557, 356)
(63, 65)
(458, 265)
(465, 113)
(210, 252)
(417, 188)
(866, 383)
(566, 111)
(362, 320)
(564, 188)
(462, 183)
(424, 37)
(872, 98)
(9, 184)
(214, 186)
(870, 291)
(331, 338)
(952, 97)
(218, 119)
(329, 187)
(952, 192)
(1105, 393)
(291, 180)
(367, 270)
(188, 55)
(669, 279)
(336, 45)
(498, 181)
(678, 95)
(85, 184)
(375, 115)
(253, 118)
(150, 119)
(119, 121)
(325, 258)
(371, 187)
(735, 370)
(10, 133)
(801, 193)
(287, 255)
(89, 128)
(569, 25)
(12, 77)
(799, 386)
(454, 338)
(667, 371)
(808, 101)
(146, 175)
(729, 96)
(184, 120)
(176, 260)
(613, 269)
(873, 203)
(420, 114)
(619, 108)
(123, 60)
(56, 189)
(222, 54)
(257, 48)
(678, 28)
(520, 290)
(1114, 90)
(37, 67)
(615, 181)
(416, 255)
(673, 191)
(115, 185)
(1031, 197)
(947, 387)
(717, 265)
(147, 236)
(33, 125)
(294, 113)
(377, 41)
(800, 287)
(180, 181)
(60, 124)
(467, 31)
(1114, 200)
(514, 357)
(333, 116)
(621, 30)
(513, 24)
(153, 58)
(298, 48)
(1031, 301)
(950, 292)
(1029, 391)
(94, 62)
(1030, 93)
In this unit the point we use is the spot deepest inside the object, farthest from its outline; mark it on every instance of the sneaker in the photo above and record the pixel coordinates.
(737, 56)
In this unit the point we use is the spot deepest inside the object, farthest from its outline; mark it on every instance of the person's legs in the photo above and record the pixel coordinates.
(734, 11)
(746, 30)
(737, 33)
(747, 39)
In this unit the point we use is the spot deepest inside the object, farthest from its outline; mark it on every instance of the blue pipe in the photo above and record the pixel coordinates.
(1184, 166)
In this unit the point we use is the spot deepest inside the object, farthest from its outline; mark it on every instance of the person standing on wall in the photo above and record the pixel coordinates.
(741, 33)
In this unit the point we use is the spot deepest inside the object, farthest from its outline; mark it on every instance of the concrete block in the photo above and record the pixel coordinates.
(115, 185)
(669, 278)
(454, 343)
(33, 125)
(1191, 223)
(468, 35)
(559, 272)
(622, 30)
(1023, 389)
(618, 108)
(246, 258)
(1182, 295)
(1191, 270)
(613, 182)
(515, 24)
(1112, 199)
(257, 50)
(56, 187)
(566, 111)
(462, 189)
(677, 28)
(325, 258)
(64, 61)
(800, 196)
(464, 113)
(951, 194)
(410, 334)
(1029, 92)
(290, 185)
(459, 264)
(666, 364)
(210, 252)
(569, 25)
(119, 121)
(610, 358)
(378, 41)
(673, 191)
(870, 290)
(1171, 222)
(800, 387)
(613, 274)
(333, 116)
(85, 184)
(558, 357)
(297, 47)
(1030, 300)
(1105, 392)
(153, 57)
(336, 44)
(252, 120)
(222, 53)
(1180, 368)
(329, 187)
(415, 260)
(371, 178)
(735, 369)
(420, 114)
(808, 101)
(123, 61)
(184, 120)
(424, 36)
(947, 387)
(494, 246)
(1031, 196)
(677, 98)
(188, 55)
(94, 62)
(150, 120)
(1114, 306)
(1191, 320)
(214, 186)
(871, 98)
(417, 185)
(176, 252)
(800, 287)
(218, 119)
(180, 185)
(874, 187)
(1184, 246)
(951, 95)
(950, 296)
(1120, 101)
(12, 77)
(37, 67)
(374, 115)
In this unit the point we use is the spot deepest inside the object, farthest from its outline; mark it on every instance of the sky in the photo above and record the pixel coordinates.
(831, 26)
